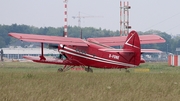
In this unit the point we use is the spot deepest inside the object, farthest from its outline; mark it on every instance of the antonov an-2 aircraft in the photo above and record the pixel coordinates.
(93, 52)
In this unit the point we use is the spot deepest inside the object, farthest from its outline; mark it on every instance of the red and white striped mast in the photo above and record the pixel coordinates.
(65, 19)
(124, 18)
(121, 22)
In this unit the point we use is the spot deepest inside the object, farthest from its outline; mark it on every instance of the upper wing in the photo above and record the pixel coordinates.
(49, 39)
(115, 41)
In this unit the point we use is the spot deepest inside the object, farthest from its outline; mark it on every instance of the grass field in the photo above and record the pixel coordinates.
(26, 81)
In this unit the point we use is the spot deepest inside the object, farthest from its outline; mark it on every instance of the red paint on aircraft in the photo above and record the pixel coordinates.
(93, 52)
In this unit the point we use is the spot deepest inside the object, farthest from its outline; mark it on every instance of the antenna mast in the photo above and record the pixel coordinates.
(79, 20)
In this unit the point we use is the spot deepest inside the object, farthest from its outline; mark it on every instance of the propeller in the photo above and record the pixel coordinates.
(53, 46)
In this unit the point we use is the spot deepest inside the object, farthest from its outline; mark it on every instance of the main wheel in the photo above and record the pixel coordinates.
(60, 70)
(89, 70)
(127, 71)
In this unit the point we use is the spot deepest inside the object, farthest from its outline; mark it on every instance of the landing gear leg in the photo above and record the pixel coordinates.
(89, 69)
(127, 71)
(65, 68)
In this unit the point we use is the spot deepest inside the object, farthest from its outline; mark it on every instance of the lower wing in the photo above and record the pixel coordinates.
(142, 50)
(52, 60)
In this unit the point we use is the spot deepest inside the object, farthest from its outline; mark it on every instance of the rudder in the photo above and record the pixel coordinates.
(132, 43)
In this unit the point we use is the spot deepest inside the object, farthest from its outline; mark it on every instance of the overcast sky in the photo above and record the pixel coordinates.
(163, 15)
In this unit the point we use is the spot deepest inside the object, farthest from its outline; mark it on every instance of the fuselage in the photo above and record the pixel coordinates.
(94, 57)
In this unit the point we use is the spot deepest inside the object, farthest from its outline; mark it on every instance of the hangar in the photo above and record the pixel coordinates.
(19, 52)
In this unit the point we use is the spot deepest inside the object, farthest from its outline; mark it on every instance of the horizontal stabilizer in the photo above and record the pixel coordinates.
(150, 51)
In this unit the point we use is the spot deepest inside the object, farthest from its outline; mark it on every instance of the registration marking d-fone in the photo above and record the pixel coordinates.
(114, 56)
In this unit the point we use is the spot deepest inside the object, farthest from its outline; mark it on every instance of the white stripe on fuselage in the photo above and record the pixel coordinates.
(91, 57)
(131, 44)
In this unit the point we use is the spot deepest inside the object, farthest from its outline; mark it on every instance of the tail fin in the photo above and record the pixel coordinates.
(132, 43)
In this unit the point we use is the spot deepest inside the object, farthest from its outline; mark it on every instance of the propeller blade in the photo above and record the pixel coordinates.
(53, 46)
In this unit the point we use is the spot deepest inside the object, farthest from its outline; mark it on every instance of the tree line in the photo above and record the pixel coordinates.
(172, 42)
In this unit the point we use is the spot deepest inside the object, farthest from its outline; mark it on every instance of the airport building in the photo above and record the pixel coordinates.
(19, 52)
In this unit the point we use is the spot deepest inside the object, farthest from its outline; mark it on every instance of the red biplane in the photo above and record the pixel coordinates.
(93, 52)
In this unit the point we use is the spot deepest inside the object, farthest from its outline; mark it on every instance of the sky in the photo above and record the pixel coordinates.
(144, 15)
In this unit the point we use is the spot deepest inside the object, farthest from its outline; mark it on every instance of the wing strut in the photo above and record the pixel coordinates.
(42, 52)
